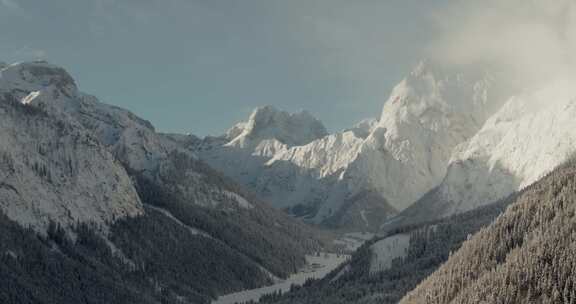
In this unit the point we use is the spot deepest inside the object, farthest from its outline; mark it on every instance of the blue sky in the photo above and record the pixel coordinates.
(199, 66)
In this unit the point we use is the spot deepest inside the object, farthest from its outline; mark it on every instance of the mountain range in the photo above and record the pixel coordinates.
(460, 178)
(448, 140)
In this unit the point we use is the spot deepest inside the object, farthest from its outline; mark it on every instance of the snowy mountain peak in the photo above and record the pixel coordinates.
(440, 107)
(265, 123)
(36, 76)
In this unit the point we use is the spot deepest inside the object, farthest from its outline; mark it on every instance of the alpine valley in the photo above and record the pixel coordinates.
(466, 186)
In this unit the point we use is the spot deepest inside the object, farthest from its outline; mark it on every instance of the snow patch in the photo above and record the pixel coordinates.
(363, 216)
(30, 97)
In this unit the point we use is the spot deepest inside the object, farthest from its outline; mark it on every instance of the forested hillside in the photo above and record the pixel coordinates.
(149, 259)
(55, 270)
(528, 255)
(430, 245)
(266, 236)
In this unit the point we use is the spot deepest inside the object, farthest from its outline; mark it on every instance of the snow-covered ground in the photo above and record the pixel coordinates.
(388, 249)
(317, 267)
(353, 240)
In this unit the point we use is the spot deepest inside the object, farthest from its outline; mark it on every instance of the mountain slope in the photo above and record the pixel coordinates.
(525, 139)
(69, 161)
(32, 271)
(51, 167)
(526, 256)
(169, 176)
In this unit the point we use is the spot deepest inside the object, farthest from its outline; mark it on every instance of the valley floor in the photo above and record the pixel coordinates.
(316, 267)
(350, 242)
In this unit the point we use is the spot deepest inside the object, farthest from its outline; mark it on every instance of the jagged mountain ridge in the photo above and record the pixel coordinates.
(448, 140)
(397, 158)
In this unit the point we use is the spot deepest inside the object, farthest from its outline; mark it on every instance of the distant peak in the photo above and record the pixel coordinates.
(268, 122)
(266, 113)
(263, 111)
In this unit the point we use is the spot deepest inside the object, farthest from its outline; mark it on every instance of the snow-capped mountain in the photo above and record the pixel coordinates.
(525, 139)
(267, 123)
(448, 140)
(396, 159)
(243, 151)
(518, 245)
(53, 169)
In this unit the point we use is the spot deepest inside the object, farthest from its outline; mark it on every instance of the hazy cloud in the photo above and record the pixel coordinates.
(530, 41)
